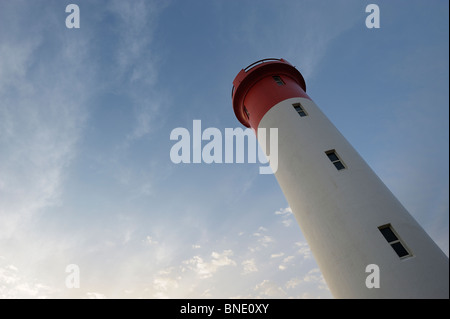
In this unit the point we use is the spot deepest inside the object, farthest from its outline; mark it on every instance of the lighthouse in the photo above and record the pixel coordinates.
(365, 242)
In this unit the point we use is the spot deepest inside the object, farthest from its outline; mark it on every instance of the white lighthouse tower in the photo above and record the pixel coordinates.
(359, 233)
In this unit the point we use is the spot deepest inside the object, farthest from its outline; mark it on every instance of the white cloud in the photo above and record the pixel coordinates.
(197, 264)
(284, 211)
(13, 268)
(264, 240)
(206, 269)
(14, 284)
(304, 250)
(286, 215)
(287, 222)
(316, 277)
(222, 259)
(206, 294)
(294, 282)
(277, 255)
(165, 283)
(269, 289)
(149, 241)
(288, 259)
(249, 266)
(166, 271)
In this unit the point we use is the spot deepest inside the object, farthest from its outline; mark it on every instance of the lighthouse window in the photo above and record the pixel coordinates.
(394, 241)
(278, 80)
(388, 234)
(300, 110)
(246, 112)
(334, 158)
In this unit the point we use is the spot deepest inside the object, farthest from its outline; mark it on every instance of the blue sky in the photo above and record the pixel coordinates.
(85, 119)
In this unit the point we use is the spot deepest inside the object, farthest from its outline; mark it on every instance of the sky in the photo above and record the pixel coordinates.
(86, 114)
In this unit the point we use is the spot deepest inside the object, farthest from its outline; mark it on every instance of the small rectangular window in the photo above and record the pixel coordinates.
(246, 112)
(393, 240)
(338, 165)
(334, 158)
(400, 249)
(300, 109)
(278, 80)
(388, 234)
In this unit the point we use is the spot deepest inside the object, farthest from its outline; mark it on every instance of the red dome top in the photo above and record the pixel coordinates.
(255, 91)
